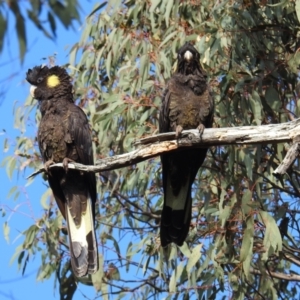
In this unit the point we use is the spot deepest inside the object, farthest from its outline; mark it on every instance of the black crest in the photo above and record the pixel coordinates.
(37, 74)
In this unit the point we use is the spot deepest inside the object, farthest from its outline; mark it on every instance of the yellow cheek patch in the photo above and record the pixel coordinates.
(53, 81)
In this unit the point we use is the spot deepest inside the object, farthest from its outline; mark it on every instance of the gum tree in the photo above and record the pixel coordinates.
(244, 235)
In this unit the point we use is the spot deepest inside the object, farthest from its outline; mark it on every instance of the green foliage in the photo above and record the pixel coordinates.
(120, 66)
(35, 10)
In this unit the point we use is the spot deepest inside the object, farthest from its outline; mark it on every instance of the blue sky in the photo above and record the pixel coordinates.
(12, 284)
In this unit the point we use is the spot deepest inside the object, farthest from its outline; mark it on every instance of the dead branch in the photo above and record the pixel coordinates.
(155, 145)
(290, 157)
(278, 275)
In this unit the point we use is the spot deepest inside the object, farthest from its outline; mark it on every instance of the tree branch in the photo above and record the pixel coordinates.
(289, 277)
(155, 145)
(290, 157)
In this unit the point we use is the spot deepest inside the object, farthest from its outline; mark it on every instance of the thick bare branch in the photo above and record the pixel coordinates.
(276, 133)
(155, 145)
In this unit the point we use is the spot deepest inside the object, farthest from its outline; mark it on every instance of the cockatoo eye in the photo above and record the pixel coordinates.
(40, 79)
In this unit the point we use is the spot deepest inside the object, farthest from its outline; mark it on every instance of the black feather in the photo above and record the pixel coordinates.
(186, 104)
(63, 135)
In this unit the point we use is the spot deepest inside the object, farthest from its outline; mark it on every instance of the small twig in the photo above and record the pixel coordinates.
(288, 277)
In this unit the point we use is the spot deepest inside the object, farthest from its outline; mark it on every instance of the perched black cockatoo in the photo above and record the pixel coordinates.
(186, 104)
(63, 136)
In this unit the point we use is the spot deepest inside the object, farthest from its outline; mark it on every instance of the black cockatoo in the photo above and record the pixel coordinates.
(186, 104)
(64, 135)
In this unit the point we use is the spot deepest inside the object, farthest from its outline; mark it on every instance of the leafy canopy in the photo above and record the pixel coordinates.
(120, 67)
(43, 14)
